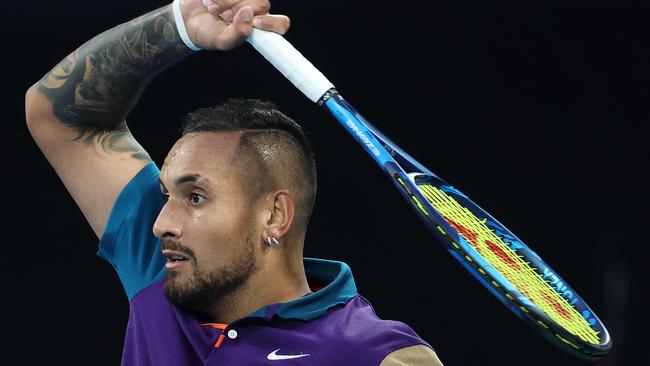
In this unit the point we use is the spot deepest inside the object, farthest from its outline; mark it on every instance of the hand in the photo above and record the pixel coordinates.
(224, 24)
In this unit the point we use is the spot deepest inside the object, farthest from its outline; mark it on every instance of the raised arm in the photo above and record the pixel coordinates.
(76, 112)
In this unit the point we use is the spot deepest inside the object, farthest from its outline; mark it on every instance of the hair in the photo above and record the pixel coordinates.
(273, 150)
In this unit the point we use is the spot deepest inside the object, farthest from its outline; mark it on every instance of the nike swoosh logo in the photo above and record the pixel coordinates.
(274, 356)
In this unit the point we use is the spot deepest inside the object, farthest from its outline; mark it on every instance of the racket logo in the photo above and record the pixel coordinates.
(449, 189)
(513, 243)
(362, 136)
(559, 286)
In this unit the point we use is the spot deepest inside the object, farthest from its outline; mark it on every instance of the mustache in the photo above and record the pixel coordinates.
(170, 244)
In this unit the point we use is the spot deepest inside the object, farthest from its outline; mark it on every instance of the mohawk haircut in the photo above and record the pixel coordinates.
(273, 151)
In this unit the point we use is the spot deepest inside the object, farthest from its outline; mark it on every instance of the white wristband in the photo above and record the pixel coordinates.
(180, 25)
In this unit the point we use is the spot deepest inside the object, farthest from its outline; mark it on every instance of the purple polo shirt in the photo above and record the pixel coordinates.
(332, 326)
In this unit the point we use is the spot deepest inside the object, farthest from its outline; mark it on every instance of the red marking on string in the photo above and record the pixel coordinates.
(557, 306)
(472, 236)
(501, 254)
(465, 232)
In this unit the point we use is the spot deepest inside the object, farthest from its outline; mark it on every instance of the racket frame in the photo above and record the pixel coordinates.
(404, 170)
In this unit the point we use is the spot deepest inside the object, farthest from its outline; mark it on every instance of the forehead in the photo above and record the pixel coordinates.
(208, 154)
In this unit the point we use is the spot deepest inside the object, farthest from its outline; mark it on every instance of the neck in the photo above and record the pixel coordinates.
(280, 278)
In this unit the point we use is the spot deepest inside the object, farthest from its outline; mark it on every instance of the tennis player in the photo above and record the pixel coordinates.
(209, 248)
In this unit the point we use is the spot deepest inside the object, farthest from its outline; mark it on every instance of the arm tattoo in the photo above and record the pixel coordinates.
(95, 87)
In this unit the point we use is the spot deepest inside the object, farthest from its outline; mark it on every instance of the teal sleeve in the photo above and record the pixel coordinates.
(128, 242)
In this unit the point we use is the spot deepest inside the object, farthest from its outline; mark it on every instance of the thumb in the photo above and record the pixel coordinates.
(241, 26)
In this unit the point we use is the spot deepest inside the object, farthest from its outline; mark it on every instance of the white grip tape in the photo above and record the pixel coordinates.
(294, 66)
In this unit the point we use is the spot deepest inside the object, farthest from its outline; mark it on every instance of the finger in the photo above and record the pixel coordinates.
(213, 9)
(236, 32)
(222, 8)
(258, 6)
(272, 22)
(227, 9)
(226, 4)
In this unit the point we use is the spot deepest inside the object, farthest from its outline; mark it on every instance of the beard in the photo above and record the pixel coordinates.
(204, 289)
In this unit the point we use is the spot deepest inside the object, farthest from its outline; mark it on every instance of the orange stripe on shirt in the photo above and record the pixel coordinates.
(215, 325)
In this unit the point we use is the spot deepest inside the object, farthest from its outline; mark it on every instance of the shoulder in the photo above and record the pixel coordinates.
(359, 329)
(128, 242)
(418, 355)
(365, 322)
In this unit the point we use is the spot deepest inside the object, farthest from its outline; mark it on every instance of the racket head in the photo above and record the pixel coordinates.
(506, 266)
(484, 246)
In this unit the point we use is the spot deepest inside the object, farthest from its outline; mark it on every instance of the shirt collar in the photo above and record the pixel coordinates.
(339, 289)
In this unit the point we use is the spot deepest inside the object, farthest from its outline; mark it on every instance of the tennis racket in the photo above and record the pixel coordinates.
(494, 255)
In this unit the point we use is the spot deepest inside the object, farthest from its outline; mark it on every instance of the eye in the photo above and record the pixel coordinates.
(197, 198)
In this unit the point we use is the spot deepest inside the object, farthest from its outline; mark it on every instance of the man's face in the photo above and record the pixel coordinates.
(207, 227)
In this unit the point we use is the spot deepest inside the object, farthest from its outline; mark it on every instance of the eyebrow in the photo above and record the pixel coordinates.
(188, 178)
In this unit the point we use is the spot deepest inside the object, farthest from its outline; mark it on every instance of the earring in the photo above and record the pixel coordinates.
(272, 241)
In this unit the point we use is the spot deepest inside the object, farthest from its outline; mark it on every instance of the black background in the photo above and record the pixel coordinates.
(536, 110)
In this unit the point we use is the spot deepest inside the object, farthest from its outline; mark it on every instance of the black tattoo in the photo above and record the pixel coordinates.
(118, 140)
(94, 88)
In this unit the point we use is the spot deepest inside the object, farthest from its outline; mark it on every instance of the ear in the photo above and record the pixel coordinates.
(281, 207)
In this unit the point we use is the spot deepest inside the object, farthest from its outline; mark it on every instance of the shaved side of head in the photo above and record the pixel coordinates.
(273, 152)
(273, 159)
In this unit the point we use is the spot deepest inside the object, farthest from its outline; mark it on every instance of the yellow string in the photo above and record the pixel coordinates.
(506, 261)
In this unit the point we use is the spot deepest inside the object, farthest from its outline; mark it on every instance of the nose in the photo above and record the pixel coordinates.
(166, 224)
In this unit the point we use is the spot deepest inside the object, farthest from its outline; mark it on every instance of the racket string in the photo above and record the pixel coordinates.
(517, 268)
(509, 264)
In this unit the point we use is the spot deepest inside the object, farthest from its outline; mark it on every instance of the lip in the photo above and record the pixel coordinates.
(173, 253)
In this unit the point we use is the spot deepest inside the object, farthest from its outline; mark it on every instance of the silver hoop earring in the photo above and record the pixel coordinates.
(272, 241)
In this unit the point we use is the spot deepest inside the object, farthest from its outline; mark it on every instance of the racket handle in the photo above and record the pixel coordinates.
(293, 65)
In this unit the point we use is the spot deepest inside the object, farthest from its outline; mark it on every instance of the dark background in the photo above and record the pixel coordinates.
(536, 110)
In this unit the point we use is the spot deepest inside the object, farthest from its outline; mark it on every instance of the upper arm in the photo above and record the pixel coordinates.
(93, 165)
(419, 355)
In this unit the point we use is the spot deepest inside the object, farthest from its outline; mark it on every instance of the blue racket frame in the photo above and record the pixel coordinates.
(398, 164)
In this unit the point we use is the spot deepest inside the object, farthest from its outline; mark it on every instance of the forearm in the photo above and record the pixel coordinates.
(97, 85)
